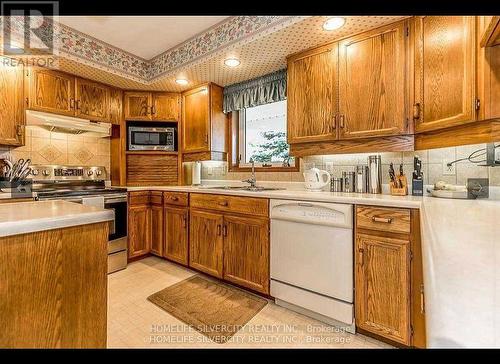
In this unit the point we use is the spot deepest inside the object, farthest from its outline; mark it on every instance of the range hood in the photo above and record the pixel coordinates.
(67, 124)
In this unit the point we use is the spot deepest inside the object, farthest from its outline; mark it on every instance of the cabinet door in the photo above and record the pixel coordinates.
(157, 230)
(52, 91)
(139, 231)
(373, 86)
(176, 234)
(138, 106)
(115, 106)
(383, 287)
(166, 106)
(92, 100)
(205, 242)
(445, 77)
(196, 120)
(312, 100)
(11, 105)
(246, 252)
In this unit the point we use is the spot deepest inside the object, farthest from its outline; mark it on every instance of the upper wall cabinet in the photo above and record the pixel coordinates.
(92, 100)
(11, 105)
(147, 106)
(51, 91)
(373, 89)
(445, 73)
(312, 95)
(203, 122)
(115, 106)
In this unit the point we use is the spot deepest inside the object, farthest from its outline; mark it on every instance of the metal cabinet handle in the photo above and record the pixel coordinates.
(334, 122)
(224, 229)
(206, 139)
(78, 104)
(382, 219)
(184, 221)
(342, 121)
(153, 110)
(20, 130)
(422, 299)
(218, 229)
(174, 198)
(72, 103)
(416, 111)
(224, 203)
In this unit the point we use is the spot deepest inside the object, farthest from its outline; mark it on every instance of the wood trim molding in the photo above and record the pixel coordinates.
(479, 132)
(402, 143)
(491, 35)
(204, 156)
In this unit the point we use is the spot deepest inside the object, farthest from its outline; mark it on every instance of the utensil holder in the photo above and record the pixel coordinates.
(399, 191)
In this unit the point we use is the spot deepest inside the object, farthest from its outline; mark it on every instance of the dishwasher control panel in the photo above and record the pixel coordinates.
(321, 213)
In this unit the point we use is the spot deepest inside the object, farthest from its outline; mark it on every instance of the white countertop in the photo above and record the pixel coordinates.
(29, 217)
(338, 197)
(461, 259)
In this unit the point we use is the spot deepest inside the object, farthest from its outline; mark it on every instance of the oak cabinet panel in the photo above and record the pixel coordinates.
(52, 91)
(383, 286)
(196, 120)
(137, 105)
(176, 234)
(139, 230)
(92, 100)
(373, 85)
(445, 75)
(312, 95)
(205, 242)
(115, 106)
(166, 106)
(157, 229)
(11, 105)
(246, 252)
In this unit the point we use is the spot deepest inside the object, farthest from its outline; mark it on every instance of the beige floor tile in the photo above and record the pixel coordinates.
(134, 322)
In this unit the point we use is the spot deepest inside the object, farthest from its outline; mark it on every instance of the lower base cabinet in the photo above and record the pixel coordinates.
(206, 242)
(157, 230)
(176, 234)
(246, 252)
(139, 231)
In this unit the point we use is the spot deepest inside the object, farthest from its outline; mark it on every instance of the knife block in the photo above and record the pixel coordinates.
(399, 191)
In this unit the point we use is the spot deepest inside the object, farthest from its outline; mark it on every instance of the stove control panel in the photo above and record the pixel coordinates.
(65, 173)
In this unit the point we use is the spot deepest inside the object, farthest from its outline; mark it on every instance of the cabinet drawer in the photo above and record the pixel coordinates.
(156, 198)
(175, 198)
(237, 204)
(138, 198)
(384, 219)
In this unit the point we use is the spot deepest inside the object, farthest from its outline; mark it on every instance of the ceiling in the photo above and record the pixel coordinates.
(261, 43)
(143, 36)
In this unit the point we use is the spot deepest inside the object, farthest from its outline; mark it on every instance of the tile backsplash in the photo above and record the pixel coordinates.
(432, 161)
(45, 147)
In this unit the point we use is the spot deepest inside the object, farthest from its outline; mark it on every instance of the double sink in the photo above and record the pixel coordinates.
(244, 188)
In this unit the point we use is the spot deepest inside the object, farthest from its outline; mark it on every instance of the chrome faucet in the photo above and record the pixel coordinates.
(252, 180)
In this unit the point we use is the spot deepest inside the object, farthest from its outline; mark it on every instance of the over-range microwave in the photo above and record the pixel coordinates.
(151, 138)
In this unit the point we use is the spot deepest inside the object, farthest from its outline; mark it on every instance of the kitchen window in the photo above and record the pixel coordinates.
(261, 135)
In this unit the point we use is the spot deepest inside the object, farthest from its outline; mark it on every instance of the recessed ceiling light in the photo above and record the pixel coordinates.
(232, 62)
(334, 23)
(181, 81)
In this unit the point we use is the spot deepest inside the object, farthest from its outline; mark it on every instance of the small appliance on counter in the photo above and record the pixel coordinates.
(337, 184)
(315, 179)
(362, 173)
(349, 181)
(192, 173)
(475, 188)
(418, 179)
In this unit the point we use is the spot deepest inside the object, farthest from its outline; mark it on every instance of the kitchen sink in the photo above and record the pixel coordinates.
(244, 188)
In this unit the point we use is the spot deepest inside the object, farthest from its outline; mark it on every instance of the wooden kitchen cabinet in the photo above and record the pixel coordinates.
(12, 105)
(383, 286)
(373, 89)
(246, 252)
(389, 291)
(204, 125)
(115, 106)
(139, 230)
(51, 91)
(157, 226)
(176, 234)
(137, 105)
(444, 72)
(166, 106)
(92, 100)
(206, 242)
(312, 95)
(146, 106)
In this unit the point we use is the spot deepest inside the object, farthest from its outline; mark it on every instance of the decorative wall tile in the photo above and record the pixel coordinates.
(84, 155)
(50, 153)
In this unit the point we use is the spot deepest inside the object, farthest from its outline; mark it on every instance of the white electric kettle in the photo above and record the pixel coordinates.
(315, 179)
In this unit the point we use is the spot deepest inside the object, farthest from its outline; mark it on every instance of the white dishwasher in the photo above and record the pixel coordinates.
(312, 259)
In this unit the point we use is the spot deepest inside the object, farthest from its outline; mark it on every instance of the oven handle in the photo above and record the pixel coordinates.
(115, 200)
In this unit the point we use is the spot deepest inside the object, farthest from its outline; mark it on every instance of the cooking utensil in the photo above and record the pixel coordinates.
(392, 174)
(401, 174)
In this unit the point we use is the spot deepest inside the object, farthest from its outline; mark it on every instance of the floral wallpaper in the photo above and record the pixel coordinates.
(73, 44)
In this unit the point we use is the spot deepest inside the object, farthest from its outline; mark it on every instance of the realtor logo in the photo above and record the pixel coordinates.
(28, 27)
